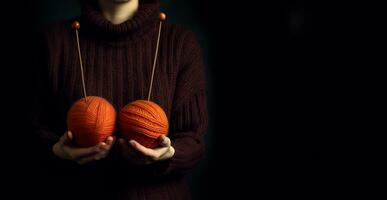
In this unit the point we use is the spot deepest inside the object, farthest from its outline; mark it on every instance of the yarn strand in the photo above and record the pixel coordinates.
(80, 62)
(155, 60)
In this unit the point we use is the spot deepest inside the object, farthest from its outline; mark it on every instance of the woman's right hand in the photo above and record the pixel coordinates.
(64, 150)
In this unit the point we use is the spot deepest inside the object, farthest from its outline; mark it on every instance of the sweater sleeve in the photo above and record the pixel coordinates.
(45, 116)
(188, 120)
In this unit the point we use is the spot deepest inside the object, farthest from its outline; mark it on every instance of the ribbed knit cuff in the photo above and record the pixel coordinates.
(178, 165)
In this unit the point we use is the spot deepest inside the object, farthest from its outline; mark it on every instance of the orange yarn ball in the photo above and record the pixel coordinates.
(91, 121)
(144, 122)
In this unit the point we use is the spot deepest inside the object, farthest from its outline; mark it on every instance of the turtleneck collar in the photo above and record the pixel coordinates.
(143, 20)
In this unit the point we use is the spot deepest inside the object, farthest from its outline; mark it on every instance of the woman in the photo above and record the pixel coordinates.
(118, 40)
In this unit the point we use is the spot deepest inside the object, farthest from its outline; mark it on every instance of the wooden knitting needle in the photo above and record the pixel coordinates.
(162, 18)
(75, 25)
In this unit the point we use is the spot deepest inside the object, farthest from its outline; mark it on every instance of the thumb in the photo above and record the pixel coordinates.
(68, 137)
(164, 141)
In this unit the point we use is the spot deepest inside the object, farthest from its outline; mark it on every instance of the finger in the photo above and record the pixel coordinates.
(152, 153)
(104, 146)
(140, 148)
(110, 141)
(83, 152)
(164, 141)
(101, 155)
(106, 149)
(69, 136)
(64, 139)
(168, 154)
(162, 151)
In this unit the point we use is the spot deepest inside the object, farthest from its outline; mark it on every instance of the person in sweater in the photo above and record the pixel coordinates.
(118, 38)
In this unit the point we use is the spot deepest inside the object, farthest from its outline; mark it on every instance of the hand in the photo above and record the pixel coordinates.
(64, 150)
(138, 154)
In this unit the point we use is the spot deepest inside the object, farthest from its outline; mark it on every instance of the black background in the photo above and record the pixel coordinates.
(293, 89)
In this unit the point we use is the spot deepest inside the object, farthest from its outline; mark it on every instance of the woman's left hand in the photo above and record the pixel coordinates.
(138, 154)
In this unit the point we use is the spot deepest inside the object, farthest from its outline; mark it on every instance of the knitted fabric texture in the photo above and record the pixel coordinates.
(143, 121)
(118, 64)
(91, 120)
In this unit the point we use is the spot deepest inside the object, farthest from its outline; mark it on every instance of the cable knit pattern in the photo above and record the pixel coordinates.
(117, 62)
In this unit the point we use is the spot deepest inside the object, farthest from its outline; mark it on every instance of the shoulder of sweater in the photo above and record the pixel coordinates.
(180, 31)
(187, 41)
(56, 29)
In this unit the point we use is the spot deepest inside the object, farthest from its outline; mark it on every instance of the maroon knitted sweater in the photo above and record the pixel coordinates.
(117, 62)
